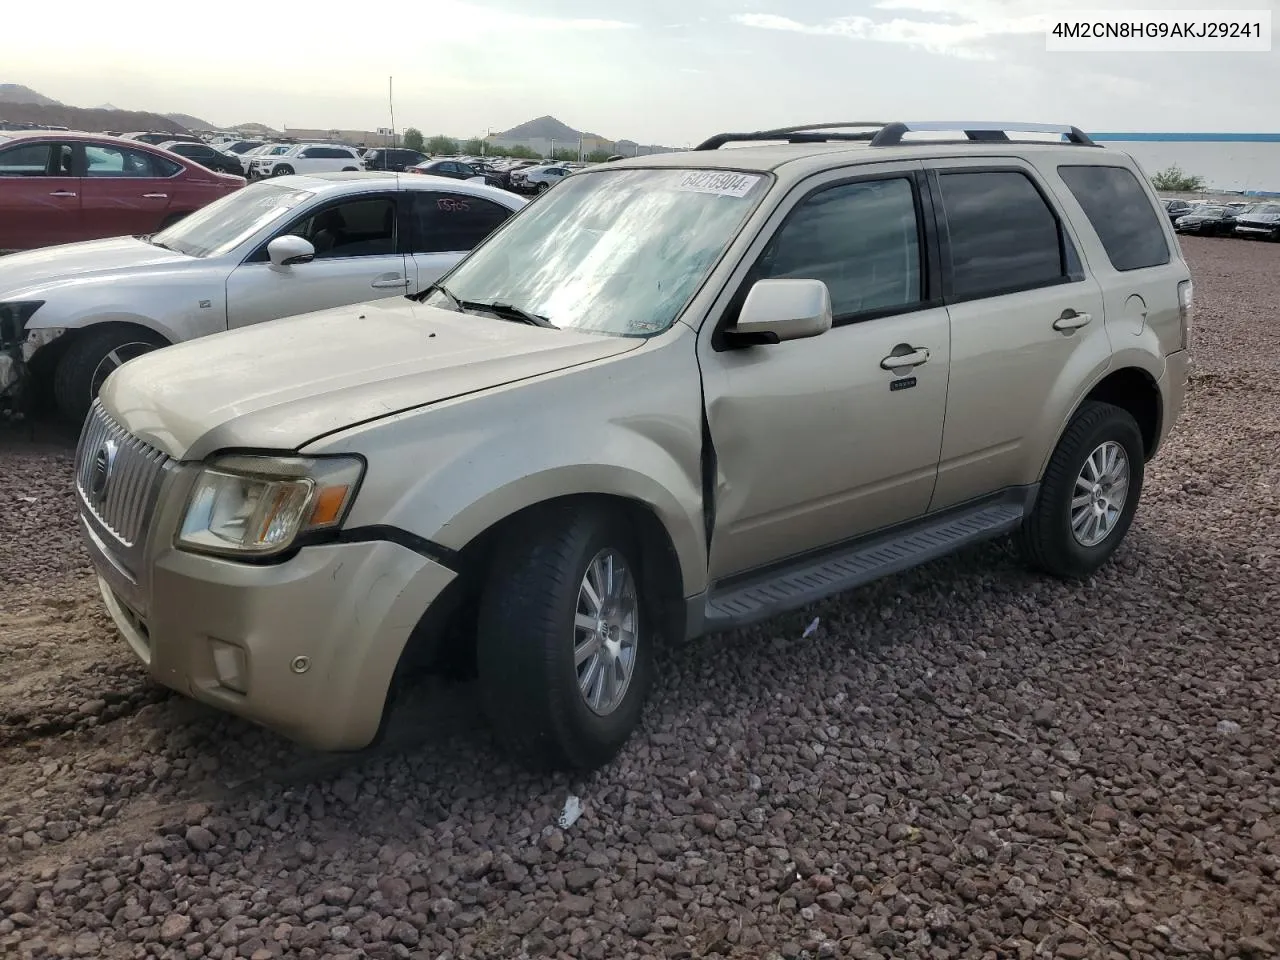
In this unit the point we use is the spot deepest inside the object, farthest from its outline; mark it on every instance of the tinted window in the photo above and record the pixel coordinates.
(1003, 237)
(26, 160)
(1121, 214)
(451, 222)
(861, 239)
(357, 228)
(106, 161)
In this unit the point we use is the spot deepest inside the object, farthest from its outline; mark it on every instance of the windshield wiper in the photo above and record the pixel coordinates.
(508, 311)
(421, 295)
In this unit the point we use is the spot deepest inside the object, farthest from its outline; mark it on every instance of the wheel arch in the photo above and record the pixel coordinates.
(1134, 390)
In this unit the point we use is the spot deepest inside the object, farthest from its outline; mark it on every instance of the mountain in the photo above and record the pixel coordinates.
(106, 106)
(17, 93)
(76, 118)
(192, 123)
(545, 128)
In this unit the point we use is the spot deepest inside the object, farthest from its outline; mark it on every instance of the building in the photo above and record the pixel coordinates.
(355, 138)
(1228, 162)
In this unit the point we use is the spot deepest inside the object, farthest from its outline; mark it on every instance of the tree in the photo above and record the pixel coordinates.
(413, 139)
(521, 152)
(565, 155)
(598, 156)
(440, 144)
(1177, 180)
(474, 147)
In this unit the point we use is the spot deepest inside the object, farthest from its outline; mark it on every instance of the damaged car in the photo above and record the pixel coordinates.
(72, 314)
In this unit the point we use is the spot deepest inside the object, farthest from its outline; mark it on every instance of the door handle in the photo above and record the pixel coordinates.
(1071, 321)
(385, 284)
(62, 193)
(898, 361)
(155, 196)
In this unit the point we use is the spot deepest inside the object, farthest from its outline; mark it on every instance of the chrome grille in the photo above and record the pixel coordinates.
(116, 475)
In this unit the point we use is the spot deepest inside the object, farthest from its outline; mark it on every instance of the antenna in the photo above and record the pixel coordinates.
(392, 104)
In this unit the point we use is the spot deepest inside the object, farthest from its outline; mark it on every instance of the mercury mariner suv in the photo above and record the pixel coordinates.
(677, 394)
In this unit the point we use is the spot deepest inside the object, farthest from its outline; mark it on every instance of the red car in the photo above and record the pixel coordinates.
(58, 187)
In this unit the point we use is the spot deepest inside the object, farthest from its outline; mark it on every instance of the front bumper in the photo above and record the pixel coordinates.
(306, 647)
(1256, 230)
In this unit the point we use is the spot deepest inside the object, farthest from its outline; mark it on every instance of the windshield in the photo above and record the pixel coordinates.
(1266, 208)
(1210, 212)
(226, 223)
(618, 252)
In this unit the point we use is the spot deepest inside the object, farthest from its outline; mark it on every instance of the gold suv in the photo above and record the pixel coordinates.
(675, 394)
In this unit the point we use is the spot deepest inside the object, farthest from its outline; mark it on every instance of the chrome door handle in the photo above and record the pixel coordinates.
(1072, 321)
(155, 196)
(384, 284)
(913, 359)
(62, 193)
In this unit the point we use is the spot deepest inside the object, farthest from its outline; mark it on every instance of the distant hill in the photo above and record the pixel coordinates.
(261, 129)
(17, 93)
(546, 128)
(192, 123)
(93, 121)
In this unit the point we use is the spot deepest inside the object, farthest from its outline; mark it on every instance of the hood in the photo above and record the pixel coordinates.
(281, 384)
(1249, 218)
(23, 275)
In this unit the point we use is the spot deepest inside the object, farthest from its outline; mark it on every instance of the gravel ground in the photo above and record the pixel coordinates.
(963, 761)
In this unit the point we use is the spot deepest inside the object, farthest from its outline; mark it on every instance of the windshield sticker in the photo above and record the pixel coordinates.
(718, 182)
(453, 206)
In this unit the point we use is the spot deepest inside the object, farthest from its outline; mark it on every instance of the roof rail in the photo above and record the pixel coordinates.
(890, 135)
(804, 133)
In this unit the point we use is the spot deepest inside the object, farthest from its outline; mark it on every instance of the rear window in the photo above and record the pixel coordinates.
(1121, 214)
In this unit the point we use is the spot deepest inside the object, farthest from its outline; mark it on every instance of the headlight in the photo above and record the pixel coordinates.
(258, 506)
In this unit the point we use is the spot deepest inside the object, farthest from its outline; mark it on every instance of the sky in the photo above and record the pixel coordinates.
(658, 71)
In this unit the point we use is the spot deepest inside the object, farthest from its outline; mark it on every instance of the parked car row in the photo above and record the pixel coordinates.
(275, 248)
(1237, 218)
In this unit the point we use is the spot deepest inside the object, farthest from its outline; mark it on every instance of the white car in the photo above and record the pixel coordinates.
(309, 158)
(539, 179)
(71, 314)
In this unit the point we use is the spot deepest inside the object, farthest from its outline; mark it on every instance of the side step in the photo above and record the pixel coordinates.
(808, 578)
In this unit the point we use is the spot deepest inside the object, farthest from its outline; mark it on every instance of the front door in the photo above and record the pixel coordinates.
(126, 192)
(357, 259)
(39, 195)
(1026, 322)
(824, 439)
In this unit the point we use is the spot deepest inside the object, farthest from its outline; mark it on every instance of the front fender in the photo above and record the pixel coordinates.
(628, 426)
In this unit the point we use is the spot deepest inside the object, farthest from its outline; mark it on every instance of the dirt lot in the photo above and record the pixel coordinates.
(964, 761)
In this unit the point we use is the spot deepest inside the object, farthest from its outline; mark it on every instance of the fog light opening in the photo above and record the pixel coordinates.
(300, 664)
(231, 666)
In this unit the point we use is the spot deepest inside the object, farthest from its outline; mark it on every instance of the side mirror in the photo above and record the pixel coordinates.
(287, 250)
(778, 310)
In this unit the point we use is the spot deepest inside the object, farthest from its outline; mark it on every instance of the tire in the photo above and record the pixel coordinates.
(1047, 537)
(90, 358)
(526, 640)
(348, 169)
(282, 170)
(542, 188)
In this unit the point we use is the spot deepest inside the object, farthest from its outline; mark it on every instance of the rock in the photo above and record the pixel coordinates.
(1255, 947)
(581, 879)
(706, 822)
(639, 918)
(405, 933)
(22, 900)
(175, 927)
(199, 839)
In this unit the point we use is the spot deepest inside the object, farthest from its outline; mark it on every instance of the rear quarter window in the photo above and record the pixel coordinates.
(1121, 214)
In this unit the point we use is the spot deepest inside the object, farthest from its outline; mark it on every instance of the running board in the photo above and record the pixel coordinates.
(745, 600)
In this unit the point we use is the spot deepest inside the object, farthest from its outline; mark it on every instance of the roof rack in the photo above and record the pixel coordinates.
(891, 134)
(804, 133)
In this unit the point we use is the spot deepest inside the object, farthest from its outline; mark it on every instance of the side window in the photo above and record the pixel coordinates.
(861, 239)
(308, 153)
(1121, 214)
(104, 161)
(453, 222)
(362, 227)
(1003, 236)
(26, 160)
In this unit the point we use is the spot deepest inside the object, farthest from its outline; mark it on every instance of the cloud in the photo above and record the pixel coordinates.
(475, 18)
(957, 28)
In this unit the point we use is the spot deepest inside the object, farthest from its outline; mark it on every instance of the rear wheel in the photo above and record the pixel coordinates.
(90, 359)
(564, 639)
(1089, 494)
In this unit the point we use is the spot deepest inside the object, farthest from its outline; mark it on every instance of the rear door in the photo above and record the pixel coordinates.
(39, 195)
(126, 191)
(443, 228)
(358, 258)
(1027, 326)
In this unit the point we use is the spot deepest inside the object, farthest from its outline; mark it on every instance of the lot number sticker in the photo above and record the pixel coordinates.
(719, 182)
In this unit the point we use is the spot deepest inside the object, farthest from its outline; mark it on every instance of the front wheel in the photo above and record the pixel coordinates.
(1089, 494)
(90, 359)
(564, 639)
(282, 170)
(542, 188)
